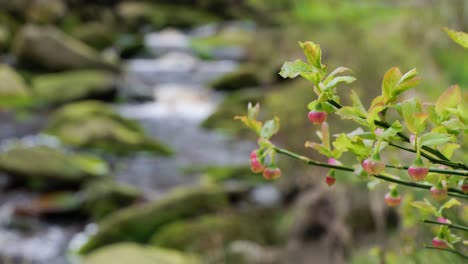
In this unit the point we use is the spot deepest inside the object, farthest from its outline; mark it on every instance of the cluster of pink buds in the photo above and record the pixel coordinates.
(270, 173)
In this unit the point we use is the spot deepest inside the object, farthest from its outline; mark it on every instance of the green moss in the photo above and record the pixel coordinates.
(206, 46)
(210, 232)
(13, 89)
(95, 125)
(138, 223)
(103, 197)
(96, 35)
(73, 85)
(45, 166)
(124, 253)
(242, 78)
(233, 105)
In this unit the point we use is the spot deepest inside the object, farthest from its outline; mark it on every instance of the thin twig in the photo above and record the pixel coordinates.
(451, 191)
(441, 171)
(455, 226)
(449, 250)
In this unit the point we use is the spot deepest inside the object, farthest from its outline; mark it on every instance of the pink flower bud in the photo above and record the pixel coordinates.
(392, 201)
(438, 193)
(443, 220)
(317, 117)
(329, 180)
(256, 166)
(437, 242)
(373, 167)
(271, 173)
(418, 173)
(253, 154)
(379, 131)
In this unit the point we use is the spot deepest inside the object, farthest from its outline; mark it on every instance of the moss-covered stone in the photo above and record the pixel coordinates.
(242, 78)
(233, 105)
(43, 166)
(138, 223)
(136, 13)
(102, 197)
(96, 35)
(212, 47)
(70, 86)
(126, 253)
(13, 89)
(211, 232)
(95, 125)
(50, 48)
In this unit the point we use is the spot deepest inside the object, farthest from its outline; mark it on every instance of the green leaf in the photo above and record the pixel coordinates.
(377, 105)
(372, 184)
(335, 72)
(449, 204)
(335, 81)
(454, 125)
(357, 104)
(348, 112)
(313, 54)
(394, 129)
(451, 98)
(410, 109)
(426, 207)
(319, 147)
(435, 139)
(448, 149)
(355, 145)
(390, 80)
(461, 38)
(253, 111)
(270, 128)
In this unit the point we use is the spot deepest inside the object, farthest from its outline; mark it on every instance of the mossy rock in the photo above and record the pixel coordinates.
(129, 253)
(49, 48)
(95, 125)
(96, 35)
(135, 14)
(45, 12)
(138, 223)
(214, 232)
(242, 78)
(57, 88)
(234, 104)
(13, 89)
(102, 197)
(43, 166)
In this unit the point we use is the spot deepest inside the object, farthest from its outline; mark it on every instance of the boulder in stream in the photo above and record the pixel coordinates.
(56, 88)
(44, 167)
(50, 48)
(95, 125)
(13, 88)
(125, 253)
(138, 223)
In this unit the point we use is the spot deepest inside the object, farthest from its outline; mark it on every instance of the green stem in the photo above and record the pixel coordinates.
(441, 157)
(430, 158)
(454, 226)
(451, 191)
(449, 250)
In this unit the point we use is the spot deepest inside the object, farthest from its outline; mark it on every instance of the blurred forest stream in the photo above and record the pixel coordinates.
(118, 144)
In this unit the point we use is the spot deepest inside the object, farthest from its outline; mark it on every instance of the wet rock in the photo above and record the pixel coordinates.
(95, 125)
(234, 104)
(124, 253)
(213, 232)
(166, 41)
(96, 35)
(266, 196)
(103, 197)
(48, 47)
(56, 203)
(138, 223)
(13, 89)
(45, 167)
(242, 78)
(57, 88)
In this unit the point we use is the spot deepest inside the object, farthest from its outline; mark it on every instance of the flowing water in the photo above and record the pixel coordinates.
(175, 81)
